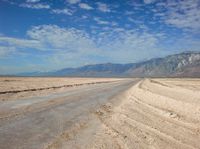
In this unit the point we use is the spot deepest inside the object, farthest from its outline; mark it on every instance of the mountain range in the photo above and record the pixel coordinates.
(185, 64)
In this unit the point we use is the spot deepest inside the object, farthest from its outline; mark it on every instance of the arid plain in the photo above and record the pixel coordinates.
(85, 113)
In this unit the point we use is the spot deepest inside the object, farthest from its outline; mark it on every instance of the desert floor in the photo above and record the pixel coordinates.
(85, 113)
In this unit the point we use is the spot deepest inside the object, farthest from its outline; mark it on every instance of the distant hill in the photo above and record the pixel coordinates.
(179, 65)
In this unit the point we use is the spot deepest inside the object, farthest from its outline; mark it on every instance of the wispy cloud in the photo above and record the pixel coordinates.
(121, 45)
(84, 17)
(63, 11)
(59, 38)
(179, 14)
(184, 14)
(32, 1)
(149, 1)
(4, 51)
(50, 37)
(114, 44)
(85, 6)
(15, 42)
(35, 6)
(107, 32)
(103, 7)
(73, 1)
(126, 46)
(99, 21)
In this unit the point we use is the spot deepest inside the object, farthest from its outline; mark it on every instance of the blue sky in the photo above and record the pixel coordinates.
(43, 35)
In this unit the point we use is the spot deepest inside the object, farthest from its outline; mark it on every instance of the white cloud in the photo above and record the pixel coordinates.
(149, 1)
(59, 44)
(69, 44)
(117, 45)
(131, 19)
(35, 6)
(51, 38)
(184, 14)
(99, 21)
(129, 12)
(4, 51)
(84, 17)
(85, 6)
(32, 1)
(15, 42)
(103, 7)
(63, 11)
(129, 46)
(58, 38)
(73, 1)
(114, 23)
(185, 43)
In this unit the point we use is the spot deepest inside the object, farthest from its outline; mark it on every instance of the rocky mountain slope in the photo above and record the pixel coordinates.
(184, 65)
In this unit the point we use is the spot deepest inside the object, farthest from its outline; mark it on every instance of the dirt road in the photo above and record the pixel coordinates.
(37, 122)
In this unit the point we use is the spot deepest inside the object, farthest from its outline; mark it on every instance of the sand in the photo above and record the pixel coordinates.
(153, 113)
(12, 88)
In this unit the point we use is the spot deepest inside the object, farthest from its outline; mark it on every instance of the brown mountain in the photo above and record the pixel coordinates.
(185, 64)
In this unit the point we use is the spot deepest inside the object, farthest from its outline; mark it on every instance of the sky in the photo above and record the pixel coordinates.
(46, 35)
